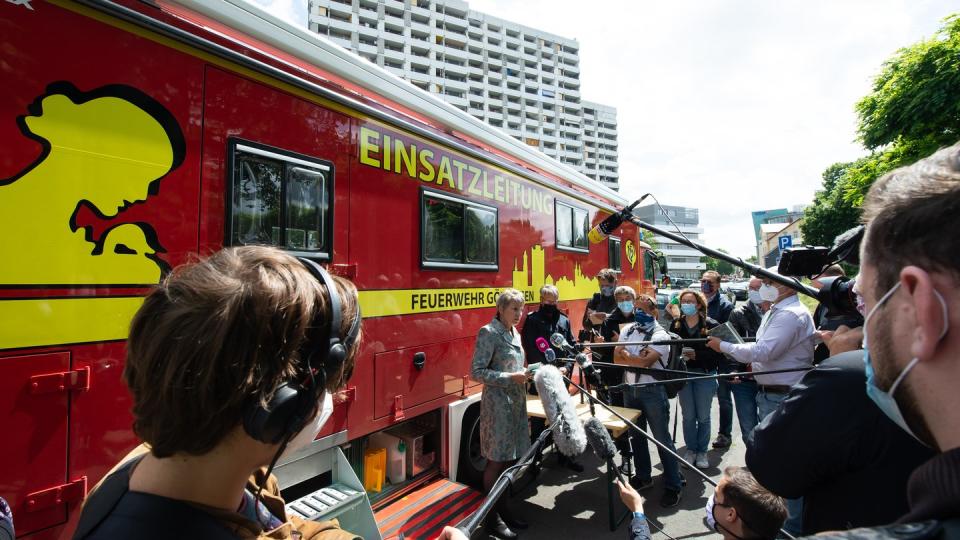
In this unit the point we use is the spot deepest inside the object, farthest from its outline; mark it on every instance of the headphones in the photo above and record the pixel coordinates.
(289, 408)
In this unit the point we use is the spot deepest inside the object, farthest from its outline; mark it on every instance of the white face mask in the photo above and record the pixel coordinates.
(310, 431)
(769, 293)
(754, 296)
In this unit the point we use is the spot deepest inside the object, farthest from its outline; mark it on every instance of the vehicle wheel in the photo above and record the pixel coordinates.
(472, 464)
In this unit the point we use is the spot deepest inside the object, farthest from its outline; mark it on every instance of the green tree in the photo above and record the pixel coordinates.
(830, 214)
(912, 110)
(723, 267)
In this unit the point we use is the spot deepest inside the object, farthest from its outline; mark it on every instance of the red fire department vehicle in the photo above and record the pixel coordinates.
(138, 134)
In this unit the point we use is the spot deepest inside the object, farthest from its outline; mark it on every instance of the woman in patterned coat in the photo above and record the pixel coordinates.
(504, 434)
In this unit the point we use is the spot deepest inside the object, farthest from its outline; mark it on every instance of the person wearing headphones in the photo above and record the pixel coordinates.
(232, 362)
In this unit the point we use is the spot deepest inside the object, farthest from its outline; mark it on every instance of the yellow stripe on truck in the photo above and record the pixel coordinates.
(37, 322)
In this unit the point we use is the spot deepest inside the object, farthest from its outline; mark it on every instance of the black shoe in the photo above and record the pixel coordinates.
(670, 498)
(641, 484)
(514, 522)
(497, 528)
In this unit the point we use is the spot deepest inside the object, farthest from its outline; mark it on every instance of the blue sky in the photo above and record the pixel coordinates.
(729, 106)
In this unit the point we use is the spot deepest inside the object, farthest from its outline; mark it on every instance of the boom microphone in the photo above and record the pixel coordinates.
(601, 442)
(569, 435)
(604, 228)
(542, 344)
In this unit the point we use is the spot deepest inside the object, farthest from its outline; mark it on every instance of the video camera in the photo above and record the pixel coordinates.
(807, 261)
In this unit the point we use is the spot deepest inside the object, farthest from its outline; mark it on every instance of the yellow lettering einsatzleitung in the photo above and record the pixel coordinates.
(431, 165)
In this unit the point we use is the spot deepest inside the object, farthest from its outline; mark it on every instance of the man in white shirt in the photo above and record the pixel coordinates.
(785, 340)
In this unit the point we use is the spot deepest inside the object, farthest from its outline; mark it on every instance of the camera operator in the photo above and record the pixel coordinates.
(825, 320)
(909, 279)
(609, 332)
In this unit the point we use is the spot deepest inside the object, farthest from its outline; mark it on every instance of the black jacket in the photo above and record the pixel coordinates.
(599, 302)
(610, 328)
(538, 325)
(830, 444)
(706, 358)
(745, 319)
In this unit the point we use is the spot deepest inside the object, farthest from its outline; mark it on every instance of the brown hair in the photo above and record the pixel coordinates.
(712, 275)
(912, 215)
(607, 274)
(761, 511)
(651, 304)
(701, 303)
(218, 333)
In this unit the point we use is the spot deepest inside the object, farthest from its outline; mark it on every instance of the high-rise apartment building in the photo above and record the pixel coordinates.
(682, 261)
(519, 79)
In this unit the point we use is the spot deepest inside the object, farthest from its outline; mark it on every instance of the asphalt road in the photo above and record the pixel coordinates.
(560, 503)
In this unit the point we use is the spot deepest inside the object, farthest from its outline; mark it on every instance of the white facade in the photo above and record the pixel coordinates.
(521, 80)
(682, 261)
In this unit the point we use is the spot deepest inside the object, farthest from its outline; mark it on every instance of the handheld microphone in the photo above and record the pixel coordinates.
(549, 357)
(601, 443)
(590, 370)
(542, 344)
(604, 228)
(560, 342)
(569, 435)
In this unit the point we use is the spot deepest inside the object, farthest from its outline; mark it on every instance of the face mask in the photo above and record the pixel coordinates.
(754, 297)
(769, 293)
(626, 307)
(310, 431)
(642, 319)
(607, 290)
(885, 400)
(706, 287)
(688, 309)
(550, 310)
(711, 520)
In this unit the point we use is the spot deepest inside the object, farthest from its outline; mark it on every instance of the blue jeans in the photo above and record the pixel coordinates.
(766, 404)
(745, 394)
(726, 403)
(696, 399)
(652, 401)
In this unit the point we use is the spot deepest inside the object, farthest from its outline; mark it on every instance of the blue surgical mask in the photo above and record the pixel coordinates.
(607, 290)
(625, 307)
(642, 319)
(688, 309)
(754, 297)
(884, 399)
(706, 287)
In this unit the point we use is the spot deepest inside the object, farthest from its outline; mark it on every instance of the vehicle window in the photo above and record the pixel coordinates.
(457, 233)
(649, 265)
(613, 244)
(280, 199)
(573, 224)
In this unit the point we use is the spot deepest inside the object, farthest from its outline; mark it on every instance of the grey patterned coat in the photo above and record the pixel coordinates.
(504, 434)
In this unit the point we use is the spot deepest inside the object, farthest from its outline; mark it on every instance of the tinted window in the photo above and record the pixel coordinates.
(573, 225)
(614, 246)
(457, 233)
(280, 199)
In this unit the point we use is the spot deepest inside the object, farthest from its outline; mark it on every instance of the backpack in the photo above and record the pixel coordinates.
(675, 362)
